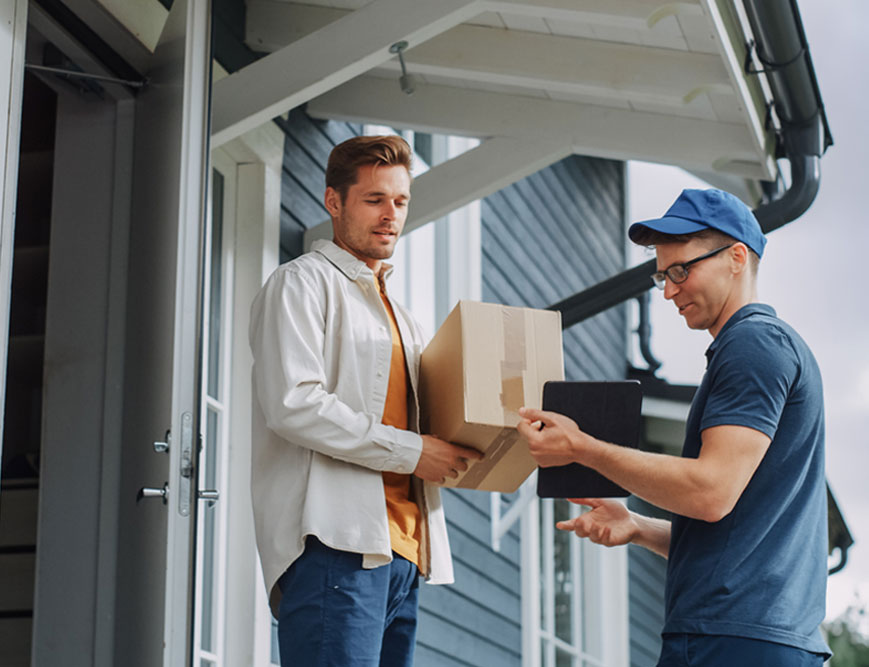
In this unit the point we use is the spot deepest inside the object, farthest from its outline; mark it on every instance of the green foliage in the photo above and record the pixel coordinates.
(846, 637)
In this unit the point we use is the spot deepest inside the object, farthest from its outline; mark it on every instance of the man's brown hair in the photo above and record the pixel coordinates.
(346, 158)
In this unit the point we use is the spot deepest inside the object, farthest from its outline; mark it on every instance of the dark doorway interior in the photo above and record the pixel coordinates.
(22, 426)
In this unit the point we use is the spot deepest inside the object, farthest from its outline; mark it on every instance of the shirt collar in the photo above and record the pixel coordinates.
(742, 314)
(350, 266)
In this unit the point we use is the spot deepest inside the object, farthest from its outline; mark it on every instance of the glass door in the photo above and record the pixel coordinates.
(156, 555)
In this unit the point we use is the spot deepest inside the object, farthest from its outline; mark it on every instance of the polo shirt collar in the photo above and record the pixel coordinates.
(742, 314)
(350, 266)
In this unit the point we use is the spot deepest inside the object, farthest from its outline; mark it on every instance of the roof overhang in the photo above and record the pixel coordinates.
(624, 79)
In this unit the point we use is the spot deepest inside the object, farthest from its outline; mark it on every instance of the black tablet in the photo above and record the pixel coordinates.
(608, 411)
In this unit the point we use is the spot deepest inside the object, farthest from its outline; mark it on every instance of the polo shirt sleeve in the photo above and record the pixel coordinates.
(289, 382)
(752, 373)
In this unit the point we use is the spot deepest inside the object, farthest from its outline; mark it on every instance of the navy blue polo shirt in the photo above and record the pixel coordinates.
(761, 571)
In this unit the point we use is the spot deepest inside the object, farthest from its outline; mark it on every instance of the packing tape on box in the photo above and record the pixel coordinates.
(496, 450)
(513, 366)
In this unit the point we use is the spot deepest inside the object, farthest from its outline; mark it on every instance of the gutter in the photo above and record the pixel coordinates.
(804, 136)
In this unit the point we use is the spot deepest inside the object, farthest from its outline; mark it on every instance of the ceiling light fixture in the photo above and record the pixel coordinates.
(406, 81)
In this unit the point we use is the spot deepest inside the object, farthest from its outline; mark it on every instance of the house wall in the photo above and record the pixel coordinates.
(552, 235)
(306, 150)
(477, 620)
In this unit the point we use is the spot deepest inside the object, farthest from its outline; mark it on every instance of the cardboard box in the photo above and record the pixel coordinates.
(483, 364)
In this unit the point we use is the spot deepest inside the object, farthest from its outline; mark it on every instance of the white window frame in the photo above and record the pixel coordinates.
(601, 577)
(256, 161)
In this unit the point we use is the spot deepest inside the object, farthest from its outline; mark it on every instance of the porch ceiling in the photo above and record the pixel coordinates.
(624, 79)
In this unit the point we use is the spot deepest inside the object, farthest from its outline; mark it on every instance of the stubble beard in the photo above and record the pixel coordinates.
(365, 246)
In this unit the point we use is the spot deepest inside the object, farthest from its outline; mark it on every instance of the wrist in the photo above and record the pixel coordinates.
(586, 449)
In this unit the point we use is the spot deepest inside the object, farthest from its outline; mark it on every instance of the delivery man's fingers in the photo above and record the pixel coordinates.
(532, 414)
(537, 420)
(567, 524)
(581, 526)
(587, 502)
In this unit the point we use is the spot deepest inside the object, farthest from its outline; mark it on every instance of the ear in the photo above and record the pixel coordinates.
(332, 201)
(739, 257)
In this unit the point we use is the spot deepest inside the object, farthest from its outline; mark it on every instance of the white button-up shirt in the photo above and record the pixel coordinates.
(322, 347)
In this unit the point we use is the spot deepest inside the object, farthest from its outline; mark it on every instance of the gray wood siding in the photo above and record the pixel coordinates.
(307, 146)
(556, 233)
(476, 621)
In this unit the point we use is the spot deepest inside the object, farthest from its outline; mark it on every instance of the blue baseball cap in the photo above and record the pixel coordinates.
(695, 210)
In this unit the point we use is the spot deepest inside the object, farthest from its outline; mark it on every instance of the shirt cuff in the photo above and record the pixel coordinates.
(406, 452)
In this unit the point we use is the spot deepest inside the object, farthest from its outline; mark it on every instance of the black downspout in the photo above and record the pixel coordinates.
(783, 50)
(644, 333)
(784, 54)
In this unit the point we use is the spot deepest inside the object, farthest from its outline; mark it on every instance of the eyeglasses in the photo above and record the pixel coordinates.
(678, 273)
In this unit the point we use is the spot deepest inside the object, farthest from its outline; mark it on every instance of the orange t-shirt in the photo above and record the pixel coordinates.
(404, 515)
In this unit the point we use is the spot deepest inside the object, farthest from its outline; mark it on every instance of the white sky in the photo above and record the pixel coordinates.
(815, 272)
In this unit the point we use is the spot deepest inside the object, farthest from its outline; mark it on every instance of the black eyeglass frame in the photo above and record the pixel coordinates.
(658, 277)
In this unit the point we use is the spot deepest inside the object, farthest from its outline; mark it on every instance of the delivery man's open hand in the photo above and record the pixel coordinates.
(553, 439)
(609, 522)
(441, 459)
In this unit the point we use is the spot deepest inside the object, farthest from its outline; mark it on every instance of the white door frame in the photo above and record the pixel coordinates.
(13, 14)
(257, 160)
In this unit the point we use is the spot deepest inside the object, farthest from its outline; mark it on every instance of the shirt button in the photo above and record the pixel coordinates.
(380, 374)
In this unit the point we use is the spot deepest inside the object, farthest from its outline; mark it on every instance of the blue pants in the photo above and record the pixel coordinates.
(334, 613)
(687, 650)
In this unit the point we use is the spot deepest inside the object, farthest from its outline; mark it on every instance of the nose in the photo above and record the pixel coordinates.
(671, 289)
(389, 211)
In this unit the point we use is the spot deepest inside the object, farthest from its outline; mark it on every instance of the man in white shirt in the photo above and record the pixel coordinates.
(346, 504)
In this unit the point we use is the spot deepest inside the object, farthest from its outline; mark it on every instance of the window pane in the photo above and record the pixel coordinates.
(275, 659)
(592, 627)
(422, 145)
(564, 576)
(563, 659)
(215, 288)
(208, 518)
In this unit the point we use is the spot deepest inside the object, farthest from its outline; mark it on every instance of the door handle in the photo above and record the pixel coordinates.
(149, 492)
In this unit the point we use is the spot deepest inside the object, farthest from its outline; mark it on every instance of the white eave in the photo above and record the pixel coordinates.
(536, 79)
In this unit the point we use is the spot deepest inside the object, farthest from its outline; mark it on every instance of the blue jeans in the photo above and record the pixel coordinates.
(688, 650)
(334, 613)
